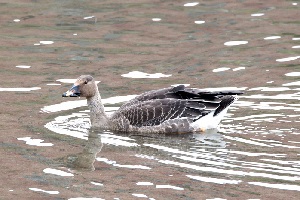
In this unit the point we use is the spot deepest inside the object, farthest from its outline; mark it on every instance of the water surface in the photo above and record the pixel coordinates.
(49, 150)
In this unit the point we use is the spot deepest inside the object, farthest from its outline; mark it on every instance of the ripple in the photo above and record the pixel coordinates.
(138, 74)
(86, 198)
(227, 171)
(140, 195)
(44, 191)
(57, 172)
(96, 183)
(19, 89)
(66, 80)
(238, 68)
(169, 187)
(35, 142)
(288, 59)
(115, 164)
(191, 4)
(23, 66)
(53, 84)
(214, 180)
(257, 14)
(221, 69)
(89, 17)
(293, 74)
(46, 42)
(235, 43)
(144, 183)
(199, 22)
(272, 37)
(270, 89)
(156, 19)
(277, 186)
(296, 83)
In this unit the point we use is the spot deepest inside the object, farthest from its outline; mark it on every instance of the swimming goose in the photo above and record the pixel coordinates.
(175, 109)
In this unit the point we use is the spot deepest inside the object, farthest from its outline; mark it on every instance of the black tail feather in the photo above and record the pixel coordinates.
(226, 101)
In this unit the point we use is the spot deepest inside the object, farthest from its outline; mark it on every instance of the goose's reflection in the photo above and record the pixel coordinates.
(85, 159)
(143, 144)
(211, 138)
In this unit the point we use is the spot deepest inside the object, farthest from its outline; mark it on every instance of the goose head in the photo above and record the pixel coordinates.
(84, 86)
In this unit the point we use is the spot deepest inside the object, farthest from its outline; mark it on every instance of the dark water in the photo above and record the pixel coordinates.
(136, 46)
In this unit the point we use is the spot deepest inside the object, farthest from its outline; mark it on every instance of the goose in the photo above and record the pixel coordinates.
(176, 109)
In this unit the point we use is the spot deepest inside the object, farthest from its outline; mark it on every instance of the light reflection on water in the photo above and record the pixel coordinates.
(212, 152)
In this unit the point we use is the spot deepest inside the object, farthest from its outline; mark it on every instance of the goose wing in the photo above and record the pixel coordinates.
(157, 106)
(170, 92)
(181, 92)
(157, 111)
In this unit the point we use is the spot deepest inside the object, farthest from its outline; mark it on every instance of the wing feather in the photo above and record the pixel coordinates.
(157, 106)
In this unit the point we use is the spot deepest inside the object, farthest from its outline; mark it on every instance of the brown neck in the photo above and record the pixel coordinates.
(97, 113)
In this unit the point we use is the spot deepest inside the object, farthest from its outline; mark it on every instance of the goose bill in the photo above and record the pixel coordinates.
(73, 92)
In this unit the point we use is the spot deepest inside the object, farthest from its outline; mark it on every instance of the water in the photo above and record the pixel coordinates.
(49, 150)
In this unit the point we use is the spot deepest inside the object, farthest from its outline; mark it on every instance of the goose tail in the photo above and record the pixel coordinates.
(213, 119)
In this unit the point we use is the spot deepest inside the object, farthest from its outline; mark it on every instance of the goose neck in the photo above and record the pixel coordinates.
(97, 113)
